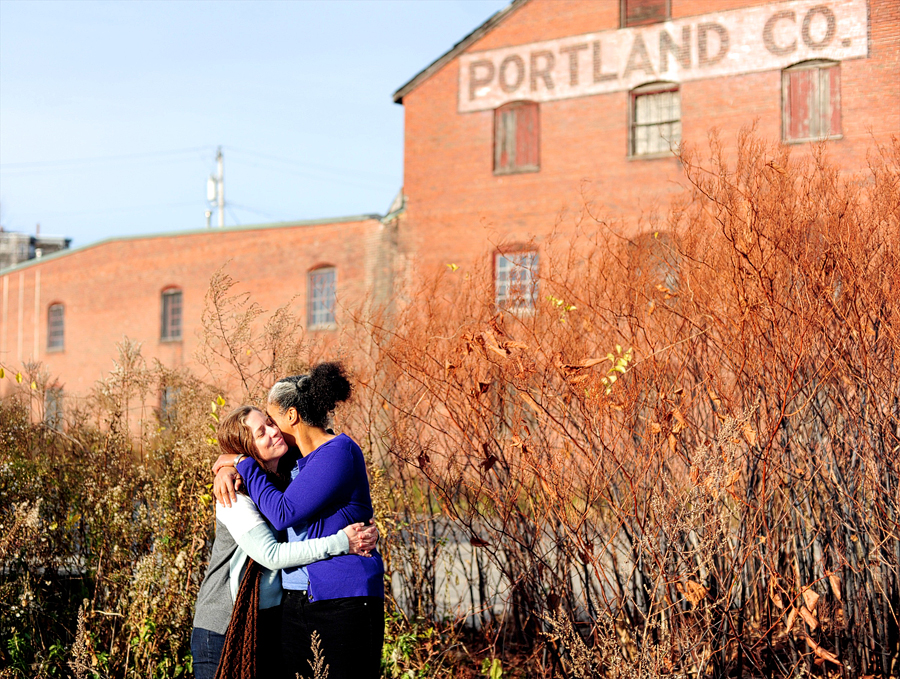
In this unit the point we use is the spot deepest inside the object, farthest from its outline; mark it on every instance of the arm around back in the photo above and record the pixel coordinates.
(326, 476)
(253, 535)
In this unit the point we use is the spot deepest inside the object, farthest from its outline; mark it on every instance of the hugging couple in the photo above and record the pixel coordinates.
(262, 599)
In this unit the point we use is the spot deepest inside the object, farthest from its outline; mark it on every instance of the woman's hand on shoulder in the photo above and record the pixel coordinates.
(226, 485)
(224, 460)
(363, 538)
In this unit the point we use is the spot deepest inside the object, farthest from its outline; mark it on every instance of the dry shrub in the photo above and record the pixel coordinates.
(682, 463)
(692, 441)
(104, 527)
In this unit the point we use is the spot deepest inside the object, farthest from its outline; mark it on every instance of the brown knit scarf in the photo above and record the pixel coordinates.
(238, 659)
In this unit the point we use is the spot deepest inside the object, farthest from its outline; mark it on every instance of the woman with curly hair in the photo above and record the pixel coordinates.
(342, 599)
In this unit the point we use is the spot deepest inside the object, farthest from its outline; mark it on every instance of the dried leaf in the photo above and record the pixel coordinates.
(822, 653)
(673, 443)
(835, 583)
(792, 615)
(694, 592)
(655, 428)
(808, 618)
(749, 434)
(777, 600)
(810, 598)
(680, 422)
(733, 479)
(490, 342)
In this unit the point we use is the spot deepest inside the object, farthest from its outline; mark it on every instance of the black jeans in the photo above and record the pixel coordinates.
(351, 631)
(206, 647)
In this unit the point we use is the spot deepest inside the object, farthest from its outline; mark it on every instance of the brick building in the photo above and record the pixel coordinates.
(554, 102)
(70, 309)
(547, 104)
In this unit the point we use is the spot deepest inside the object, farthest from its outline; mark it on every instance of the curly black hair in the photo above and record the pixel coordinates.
(314, 395)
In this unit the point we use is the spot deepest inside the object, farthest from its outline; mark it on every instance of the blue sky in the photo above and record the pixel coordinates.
(111, 112)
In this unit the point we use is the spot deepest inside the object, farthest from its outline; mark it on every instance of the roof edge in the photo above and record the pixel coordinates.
(449, 55)
(190, 232)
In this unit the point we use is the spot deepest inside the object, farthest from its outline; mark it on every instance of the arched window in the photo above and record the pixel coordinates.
(811, 101)
(517, 138)
(321, 285)
(56, 327)
(655, 119)
(171, 315)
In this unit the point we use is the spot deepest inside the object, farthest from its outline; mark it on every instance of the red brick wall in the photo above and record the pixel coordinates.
(112, 290)
(449, 178)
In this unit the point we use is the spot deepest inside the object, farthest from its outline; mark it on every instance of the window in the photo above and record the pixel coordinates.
(56, 327)
(642, 12)
(516, 280)
(168, 402)
(655, 119)
(321, 296)
(516, 138)
(171, 315)
(811, 100)
(53, 407)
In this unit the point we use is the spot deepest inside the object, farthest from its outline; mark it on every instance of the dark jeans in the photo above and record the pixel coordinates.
(206, 647)
(351, 631)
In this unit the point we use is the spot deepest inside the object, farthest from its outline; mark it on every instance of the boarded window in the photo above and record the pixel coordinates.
(53, 407)
(56, 327)
(171, 315)
(642, 12)
(516, 280)
(321, 297)
(517, 138)
(811, 98)
(655, 120)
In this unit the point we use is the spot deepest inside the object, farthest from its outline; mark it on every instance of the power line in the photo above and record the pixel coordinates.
(134, 208)
(252, 210)
(293, 162)
(45, 164)
(310, 175)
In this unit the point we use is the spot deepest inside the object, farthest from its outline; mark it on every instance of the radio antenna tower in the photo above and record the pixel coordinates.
(215, 191)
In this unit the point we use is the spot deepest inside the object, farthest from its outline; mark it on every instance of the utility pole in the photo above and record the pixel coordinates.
(215, 191)
(220, 164)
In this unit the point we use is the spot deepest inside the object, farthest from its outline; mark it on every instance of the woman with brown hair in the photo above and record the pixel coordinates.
(237, 619)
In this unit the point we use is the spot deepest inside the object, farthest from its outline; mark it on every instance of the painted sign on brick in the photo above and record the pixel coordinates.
(748, 40)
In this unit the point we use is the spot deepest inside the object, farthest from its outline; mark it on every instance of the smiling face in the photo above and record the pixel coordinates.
(284, 420)
(268, 439)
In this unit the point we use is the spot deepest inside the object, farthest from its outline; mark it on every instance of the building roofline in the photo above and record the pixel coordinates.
(192, 232)
(451, 54)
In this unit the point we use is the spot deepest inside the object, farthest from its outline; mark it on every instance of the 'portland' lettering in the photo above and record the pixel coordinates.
(722, 44)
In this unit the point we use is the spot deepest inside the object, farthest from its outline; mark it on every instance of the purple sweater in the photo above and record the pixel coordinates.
(329, 492)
